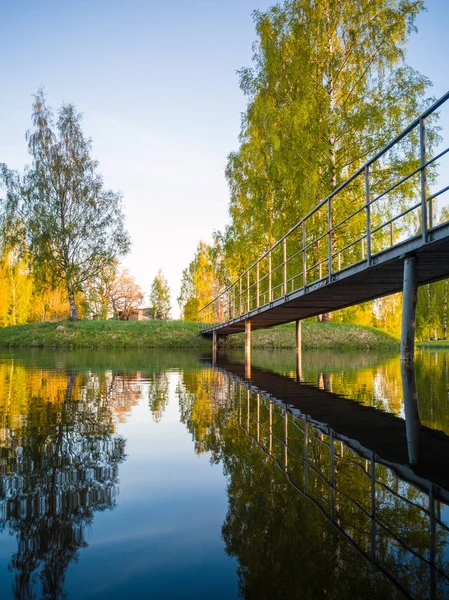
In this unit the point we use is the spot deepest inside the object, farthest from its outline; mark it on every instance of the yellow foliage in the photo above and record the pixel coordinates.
(15, 290)
(388, 313)
(50, 305)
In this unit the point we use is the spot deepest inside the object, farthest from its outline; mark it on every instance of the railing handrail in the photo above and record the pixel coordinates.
(415, 123)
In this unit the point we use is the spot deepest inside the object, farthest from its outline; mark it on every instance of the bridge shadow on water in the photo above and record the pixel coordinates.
(373, 490)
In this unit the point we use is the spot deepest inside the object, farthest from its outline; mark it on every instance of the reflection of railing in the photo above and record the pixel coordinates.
(383, 203)
(378, 512)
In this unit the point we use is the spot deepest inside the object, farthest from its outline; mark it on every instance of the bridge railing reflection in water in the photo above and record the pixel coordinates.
(396, 525)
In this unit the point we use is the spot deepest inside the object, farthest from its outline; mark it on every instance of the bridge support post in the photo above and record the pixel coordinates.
(412, 422)
(214, 347)
(248, 349)
(298, 351)
(409, 299)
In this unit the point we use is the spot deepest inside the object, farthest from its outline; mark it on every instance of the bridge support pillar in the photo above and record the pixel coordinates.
(412, 422)
(298, 351)
(214, 347)
(247, 349)
(409, 298)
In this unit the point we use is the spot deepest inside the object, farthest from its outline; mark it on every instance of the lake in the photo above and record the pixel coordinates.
(154, 474)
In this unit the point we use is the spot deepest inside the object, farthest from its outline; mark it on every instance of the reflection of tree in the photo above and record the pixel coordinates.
(60, 465)
(122, 392)
(158, 395)
(203, 406)
(286, 547)
(432, 379)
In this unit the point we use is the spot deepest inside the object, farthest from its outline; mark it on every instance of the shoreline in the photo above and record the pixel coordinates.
(114, 335)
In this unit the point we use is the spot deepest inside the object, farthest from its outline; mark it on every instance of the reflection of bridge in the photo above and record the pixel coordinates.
(394, 239)
(321, 441)
(416, 450)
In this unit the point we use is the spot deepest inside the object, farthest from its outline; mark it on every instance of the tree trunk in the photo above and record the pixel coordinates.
(73, 309)
(331, 93)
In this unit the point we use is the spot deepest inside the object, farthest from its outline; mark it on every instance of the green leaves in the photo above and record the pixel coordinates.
(160, 297)
(69, 226)
(327, 89)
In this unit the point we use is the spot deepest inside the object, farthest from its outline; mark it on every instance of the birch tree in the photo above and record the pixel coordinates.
(329, 86)
(70, 227)
(160, 297)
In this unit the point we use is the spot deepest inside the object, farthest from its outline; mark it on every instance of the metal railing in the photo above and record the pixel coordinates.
(384, 203)
(321, 467)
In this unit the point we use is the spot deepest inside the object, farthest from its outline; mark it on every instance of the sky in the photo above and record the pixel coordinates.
(156, 82)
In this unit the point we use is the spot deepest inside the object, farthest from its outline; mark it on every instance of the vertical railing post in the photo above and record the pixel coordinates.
(214, 348)
(258, 417)
(240, 404)
(269, 276)
(329, 242)
(304, 260)
(286, 442)
(285, 266)
(271, 428)
(258, 284)
(247, 292)
(298, 351)
(247, 349)
(240, 297)
(306, 454)
(422, 146)
(332, 466)
(433, 541)
(373, 508)
(368, 215)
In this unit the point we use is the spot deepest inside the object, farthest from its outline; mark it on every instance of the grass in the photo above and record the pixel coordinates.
(104, 334)
(183, 334)
(341, 336)
(433, 344)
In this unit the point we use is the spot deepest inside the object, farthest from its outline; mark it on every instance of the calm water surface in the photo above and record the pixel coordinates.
(155, 475)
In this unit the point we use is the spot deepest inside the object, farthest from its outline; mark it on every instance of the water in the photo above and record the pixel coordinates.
(154, 475)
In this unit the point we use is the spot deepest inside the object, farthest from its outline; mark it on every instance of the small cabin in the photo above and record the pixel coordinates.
(141, 314)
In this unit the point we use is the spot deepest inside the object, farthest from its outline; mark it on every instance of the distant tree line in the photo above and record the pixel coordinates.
(62, 232)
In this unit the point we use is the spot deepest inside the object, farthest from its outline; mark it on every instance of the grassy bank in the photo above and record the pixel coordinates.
(182, 334)
(443, 344)
(339, 336)
(104, 334)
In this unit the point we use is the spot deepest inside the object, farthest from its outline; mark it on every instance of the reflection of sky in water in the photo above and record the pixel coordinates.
(164, 536)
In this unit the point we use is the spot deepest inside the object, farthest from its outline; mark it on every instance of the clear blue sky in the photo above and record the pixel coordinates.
(156, 82)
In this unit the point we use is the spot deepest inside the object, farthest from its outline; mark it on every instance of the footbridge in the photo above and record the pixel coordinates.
(384, 230)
